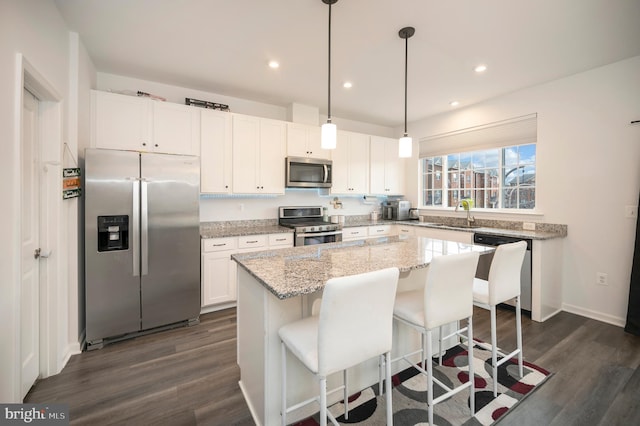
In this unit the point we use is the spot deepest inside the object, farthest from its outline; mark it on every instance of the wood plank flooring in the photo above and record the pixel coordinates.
(189, 376)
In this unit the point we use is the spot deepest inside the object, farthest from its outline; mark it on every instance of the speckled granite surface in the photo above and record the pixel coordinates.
(303, 270)
(544, 231)
(239, 228)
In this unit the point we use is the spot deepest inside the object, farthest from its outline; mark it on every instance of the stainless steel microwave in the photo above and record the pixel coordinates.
(302, 172)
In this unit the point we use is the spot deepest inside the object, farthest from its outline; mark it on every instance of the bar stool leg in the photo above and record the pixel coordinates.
(440, 346)
(387, 365)
(494, 351)
(346, 394)
(429, 376)
(472, 389)
(323, 401)
(519, 335)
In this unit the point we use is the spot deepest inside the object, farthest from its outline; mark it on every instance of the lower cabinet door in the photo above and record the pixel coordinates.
(218, 278)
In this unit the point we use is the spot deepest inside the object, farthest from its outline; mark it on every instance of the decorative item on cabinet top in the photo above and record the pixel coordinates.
(206, 104)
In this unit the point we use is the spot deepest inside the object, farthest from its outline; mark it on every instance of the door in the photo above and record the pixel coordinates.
(30, 236)
(170, 239)
(112, 267)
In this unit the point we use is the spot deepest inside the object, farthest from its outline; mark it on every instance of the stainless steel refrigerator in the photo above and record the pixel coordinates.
(142, 242)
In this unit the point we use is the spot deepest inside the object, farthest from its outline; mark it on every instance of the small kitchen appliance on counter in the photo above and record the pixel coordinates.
(396, 210)
(309, 226)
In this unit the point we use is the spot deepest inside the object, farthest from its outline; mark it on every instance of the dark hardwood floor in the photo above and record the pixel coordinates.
(188, 376)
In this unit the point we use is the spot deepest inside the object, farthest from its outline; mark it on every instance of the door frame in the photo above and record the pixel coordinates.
(52, 303)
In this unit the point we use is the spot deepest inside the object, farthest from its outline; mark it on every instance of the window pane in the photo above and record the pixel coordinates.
(493, 178)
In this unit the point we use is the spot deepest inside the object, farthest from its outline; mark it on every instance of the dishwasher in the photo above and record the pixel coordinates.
(525, 274)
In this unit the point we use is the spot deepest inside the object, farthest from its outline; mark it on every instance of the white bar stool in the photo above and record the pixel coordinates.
(503, 284)
(355, 323)
(447, 297)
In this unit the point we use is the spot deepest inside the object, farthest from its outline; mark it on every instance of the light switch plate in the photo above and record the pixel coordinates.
(631, 211)
(529, 226)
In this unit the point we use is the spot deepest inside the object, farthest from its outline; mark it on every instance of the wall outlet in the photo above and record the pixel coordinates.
(631, 211)
(602, 278)
(529, 226)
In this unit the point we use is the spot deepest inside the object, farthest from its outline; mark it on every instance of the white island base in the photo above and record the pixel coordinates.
(261, 314)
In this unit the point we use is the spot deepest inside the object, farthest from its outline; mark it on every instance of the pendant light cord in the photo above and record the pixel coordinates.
(406, 66)
(329, 72)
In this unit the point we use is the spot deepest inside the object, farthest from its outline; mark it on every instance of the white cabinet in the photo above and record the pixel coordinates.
(215, 152)
(219, 272)
(355, 233)
(350, 164)
(259, 147)
(379, 231)
(362, 232)
(141, 124)
(386, 174)
(303, 140)
(403, 230)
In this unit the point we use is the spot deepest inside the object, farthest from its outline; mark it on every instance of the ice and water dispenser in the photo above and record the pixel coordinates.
(113, 233)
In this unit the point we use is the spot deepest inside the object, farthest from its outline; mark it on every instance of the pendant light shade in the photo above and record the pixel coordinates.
(329, 130)
(405, 144)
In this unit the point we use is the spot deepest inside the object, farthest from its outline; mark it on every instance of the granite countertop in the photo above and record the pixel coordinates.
(303, 270)
(241, 228)
(559, 232)
(544, 231)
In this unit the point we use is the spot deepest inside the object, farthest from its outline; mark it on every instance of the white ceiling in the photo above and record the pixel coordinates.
(223, 46)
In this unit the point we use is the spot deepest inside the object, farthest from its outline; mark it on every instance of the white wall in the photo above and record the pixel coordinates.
(588, 161)
(35, 30)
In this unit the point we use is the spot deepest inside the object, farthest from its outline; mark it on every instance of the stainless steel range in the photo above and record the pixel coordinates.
(309, 226)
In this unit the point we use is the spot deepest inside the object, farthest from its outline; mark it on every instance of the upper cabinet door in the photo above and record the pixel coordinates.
(387, 176)
(350, 164)
(246, 146)
(120, 122)
(303, 140)
(273, 141)
(215, 152)
(140, 124)
(176, 128)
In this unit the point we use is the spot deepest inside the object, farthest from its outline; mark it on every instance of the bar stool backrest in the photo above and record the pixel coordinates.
(356, 319)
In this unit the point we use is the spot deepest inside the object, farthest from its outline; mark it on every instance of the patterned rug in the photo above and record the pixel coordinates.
(410, 395)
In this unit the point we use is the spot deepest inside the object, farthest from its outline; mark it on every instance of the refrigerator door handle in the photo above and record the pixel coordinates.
(136, 228)
(144, 225)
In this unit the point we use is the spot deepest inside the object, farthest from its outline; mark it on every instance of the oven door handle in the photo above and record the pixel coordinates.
(317, 234)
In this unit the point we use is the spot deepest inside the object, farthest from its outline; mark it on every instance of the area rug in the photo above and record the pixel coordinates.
(410, 395)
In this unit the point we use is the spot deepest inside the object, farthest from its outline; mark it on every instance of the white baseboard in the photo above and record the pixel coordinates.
(213, 308)
(599, 316)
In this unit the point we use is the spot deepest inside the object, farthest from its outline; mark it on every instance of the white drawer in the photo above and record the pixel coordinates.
(284, 239)
(354, 233)
(252, 241)
(379, 230)
(219, 244)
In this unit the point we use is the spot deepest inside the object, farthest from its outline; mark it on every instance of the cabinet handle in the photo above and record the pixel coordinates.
(220, 245)
(156, 145)
(144, 144)
(281, 239)
(252, 242)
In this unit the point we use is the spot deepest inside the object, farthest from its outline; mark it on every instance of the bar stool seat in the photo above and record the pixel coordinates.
(354, 324)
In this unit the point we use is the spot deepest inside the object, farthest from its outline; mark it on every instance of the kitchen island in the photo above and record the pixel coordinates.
(279, 286)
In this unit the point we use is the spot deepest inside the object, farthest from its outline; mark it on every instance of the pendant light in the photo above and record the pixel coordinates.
(329, 131)
(405, 143)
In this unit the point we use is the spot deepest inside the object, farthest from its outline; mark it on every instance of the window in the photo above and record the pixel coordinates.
(496, 178)
(493, 164)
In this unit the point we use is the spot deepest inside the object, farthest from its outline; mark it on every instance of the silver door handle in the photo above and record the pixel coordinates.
(136, 228)
(39, 254)
(326, 173)
(144, 225)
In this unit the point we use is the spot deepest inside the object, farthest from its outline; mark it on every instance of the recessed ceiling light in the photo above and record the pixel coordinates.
(347, 85)
(454, 103)
(480, 68)
(273, 64)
